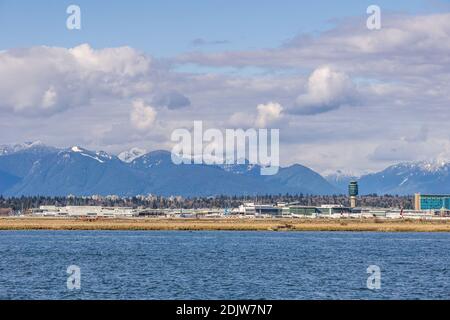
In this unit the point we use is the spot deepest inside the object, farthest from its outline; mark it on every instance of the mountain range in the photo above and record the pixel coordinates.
(432, 177)
(37, 169)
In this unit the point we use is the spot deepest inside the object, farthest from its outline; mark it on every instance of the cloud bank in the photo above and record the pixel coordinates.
(45, 80)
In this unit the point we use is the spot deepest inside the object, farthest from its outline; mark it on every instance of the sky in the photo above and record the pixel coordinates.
(344, 97)
(168, 28)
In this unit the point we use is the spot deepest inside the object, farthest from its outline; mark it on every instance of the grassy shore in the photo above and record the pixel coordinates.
(237, 224)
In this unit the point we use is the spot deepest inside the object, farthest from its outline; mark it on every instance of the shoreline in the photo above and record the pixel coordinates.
(224, 224)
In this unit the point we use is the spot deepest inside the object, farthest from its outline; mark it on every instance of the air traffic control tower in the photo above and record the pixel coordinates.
(353, 192)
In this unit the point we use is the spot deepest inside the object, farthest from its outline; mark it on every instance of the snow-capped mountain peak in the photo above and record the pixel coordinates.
(430, 166)
(99, 156)
(10, 149)
(76, 149)
(433, 165)
(425, 176)
(340, 178)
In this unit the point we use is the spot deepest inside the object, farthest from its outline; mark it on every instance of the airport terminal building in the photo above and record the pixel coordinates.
(431, 202)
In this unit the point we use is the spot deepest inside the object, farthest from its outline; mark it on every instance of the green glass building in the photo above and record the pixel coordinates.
(431, 201)
(353, 189)
(303, 210)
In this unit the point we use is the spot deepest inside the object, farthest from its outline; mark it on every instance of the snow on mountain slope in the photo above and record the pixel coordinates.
(10, 149)
(408, 178)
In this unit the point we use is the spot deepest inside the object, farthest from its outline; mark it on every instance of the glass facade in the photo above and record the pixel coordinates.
(302, 210)
(269, 210)
(434, 202)
(353, 189)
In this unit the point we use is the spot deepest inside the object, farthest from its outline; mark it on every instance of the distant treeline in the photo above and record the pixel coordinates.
(158, 202)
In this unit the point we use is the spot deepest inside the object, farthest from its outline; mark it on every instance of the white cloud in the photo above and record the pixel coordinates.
(268, 114)
(122, 61)
(49, 99)
(46, 80)
(326, 90)
(406, 45)
(142, 116)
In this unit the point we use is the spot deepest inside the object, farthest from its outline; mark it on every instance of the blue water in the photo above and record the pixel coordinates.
(223, 265)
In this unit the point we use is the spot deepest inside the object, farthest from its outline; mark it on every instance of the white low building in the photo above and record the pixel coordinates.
(85, 211)
(47, 211)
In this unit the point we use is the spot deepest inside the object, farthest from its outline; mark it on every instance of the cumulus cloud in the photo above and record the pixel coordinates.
(268, 114)
(326, 90)
(142, 116)
(46, 80)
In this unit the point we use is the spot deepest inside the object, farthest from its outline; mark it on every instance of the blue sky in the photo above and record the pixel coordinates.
(167, 28)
